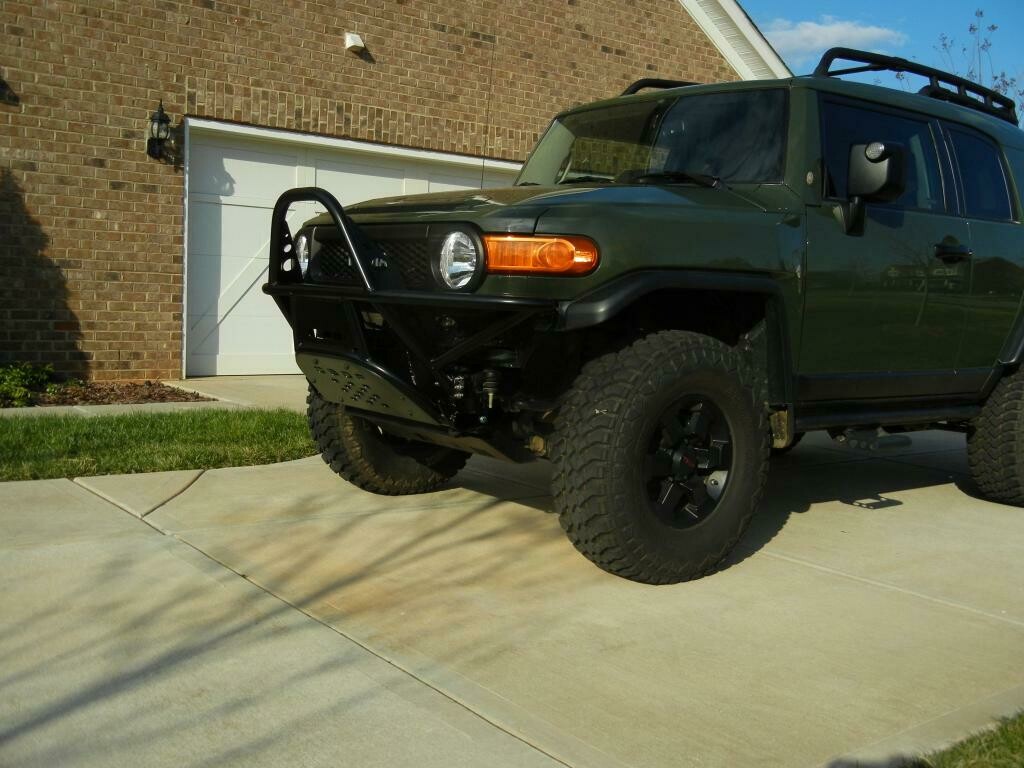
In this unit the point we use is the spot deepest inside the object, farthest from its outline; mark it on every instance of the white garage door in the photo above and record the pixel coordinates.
(231, 327)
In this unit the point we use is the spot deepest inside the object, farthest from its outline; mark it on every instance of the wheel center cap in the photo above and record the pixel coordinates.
(684, 463)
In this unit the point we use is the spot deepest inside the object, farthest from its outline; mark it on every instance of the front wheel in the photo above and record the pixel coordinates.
(368, 457)
(661, 455)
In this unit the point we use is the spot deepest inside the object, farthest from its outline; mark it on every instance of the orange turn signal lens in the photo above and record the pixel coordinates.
(540, 254)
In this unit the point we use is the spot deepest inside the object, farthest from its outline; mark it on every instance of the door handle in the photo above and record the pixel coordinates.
(952, 252)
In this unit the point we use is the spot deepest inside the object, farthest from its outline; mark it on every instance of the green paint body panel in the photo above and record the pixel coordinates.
(875, 303)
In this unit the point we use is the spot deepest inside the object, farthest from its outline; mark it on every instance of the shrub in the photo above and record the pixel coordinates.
(18, 382)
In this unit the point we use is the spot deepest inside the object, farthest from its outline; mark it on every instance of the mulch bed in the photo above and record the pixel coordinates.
(111, 393)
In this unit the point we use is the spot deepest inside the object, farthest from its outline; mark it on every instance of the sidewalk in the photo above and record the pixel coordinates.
(275, 615)
(280, 391)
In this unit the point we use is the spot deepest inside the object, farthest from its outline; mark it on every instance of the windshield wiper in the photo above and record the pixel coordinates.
(574, 179)
(701, 179)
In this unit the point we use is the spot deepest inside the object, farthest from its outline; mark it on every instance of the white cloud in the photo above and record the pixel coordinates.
(800, 41)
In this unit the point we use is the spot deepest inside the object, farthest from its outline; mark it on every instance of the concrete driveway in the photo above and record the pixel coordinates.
(277, 616)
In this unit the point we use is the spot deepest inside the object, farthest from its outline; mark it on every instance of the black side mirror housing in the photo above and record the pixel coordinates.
(877, 173)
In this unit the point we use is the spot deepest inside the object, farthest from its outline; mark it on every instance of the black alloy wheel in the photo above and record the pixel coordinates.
(688, 461)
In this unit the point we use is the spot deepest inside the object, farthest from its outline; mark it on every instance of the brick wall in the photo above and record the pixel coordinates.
(91, 229)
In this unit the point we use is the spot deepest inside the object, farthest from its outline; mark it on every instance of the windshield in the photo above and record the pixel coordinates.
(737, 136)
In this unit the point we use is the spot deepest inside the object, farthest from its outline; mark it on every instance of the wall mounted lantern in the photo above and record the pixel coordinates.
(159, 132)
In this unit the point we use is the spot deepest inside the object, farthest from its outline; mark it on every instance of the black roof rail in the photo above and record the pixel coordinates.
(966, 93)
(655, 82)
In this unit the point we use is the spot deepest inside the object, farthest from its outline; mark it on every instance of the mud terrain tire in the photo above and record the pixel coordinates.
(995, 443)
(610, 446)
(374, 461)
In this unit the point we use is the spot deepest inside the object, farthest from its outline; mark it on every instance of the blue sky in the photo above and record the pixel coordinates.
(802, 30)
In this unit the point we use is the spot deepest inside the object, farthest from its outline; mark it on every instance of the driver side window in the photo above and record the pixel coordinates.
(844, 126)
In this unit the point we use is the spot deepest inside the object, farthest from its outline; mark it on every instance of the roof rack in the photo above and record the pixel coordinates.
(655, 82)
(966, 93)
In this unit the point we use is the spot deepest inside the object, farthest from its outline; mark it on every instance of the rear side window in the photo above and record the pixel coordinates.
(985, 192)
(844, 125)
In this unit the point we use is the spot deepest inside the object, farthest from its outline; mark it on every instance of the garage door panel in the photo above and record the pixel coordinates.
(229, 364)
(439, 181)
(205, 234)
(228, 230)
(235, 268)
(246, 304)
(226, 244)
(224, 169)
(352, 182)
(447, 180)
(494, 178)
(262, 334)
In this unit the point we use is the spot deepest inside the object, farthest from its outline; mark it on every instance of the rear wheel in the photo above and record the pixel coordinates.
(995, 442)
(360, 452)
(661, 455)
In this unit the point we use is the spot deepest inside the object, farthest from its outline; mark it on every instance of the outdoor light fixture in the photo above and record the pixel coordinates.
(354, 43)
(159, 132)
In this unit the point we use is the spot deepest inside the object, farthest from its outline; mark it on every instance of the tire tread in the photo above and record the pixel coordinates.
(590, 506)
(342, 444)
(995, 442)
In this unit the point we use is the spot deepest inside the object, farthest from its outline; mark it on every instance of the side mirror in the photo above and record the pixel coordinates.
(877, 173)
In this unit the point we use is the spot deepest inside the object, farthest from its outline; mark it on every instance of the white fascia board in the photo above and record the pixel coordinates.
(738, 39)
(349, 145)
(184, 254)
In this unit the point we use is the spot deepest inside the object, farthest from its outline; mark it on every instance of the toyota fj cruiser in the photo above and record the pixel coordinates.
(679, 281)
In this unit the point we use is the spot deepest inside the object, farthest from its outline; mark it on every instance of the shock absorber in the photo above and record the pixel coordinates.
(489, 385)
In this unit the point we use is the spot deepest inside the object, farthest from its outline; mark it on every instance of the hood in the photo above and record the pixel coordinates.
(447, 202)
(517, 209)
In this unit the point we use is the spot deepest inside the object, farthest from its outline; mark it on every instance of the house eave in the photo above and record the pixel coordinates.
(739, 40)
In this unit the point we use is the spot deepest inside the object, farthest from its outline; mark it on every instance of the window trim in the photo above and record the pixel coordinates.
(942, 157)
(948, 130)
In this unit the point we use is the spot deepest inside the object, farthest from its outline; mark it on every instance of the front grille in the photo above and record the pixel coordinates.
(332, 263)
(408, 259)
(412, 260)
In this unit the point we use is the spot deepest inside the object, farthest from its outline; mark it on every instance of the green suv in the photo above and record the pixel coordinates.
(681, 280)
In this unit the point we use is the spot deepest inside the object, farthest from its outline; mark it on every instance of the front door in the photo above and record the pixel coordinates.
(997, 245)
(884, 312)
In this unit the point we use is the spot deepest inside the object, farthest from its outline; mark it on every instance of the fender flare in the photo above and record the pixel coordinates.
(1012, 352)
(607, 301)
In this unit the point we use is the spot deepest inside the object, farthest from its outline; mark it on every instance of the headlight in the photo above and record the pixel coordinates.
(302, 253)
(459, 260)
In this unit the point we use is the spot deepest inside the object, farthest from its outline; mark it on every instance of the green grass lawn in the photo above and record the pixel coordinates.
(39, 447)
(999, 748)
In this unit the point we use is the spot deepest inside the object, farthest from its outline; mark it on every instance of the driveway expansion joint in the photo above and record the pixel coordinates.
(895, 588)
